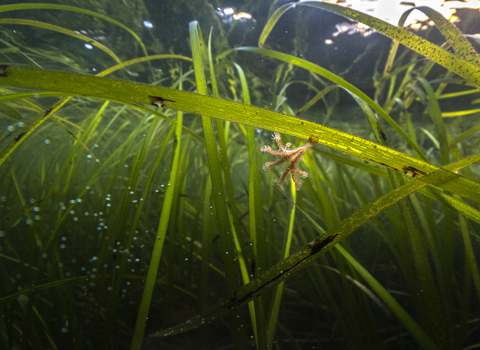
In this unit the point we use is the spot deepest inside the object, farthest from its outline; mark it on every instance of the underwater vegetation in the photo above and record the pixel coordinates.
(135, 212)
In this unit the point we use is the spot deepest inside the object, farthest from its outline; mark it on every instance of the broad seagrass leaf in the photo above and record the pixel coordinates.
(118, 90)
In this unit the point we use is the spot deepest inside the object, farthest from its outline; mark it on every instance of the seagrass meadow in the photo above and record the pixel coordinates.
(136, 211)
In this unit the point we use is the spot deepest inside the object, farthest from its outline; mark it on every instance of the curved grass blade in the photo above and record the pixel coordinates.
(450, 31)
(236, 112)
(271, 23)
(337, 80)
(34, 124)
(139, 60)
(29, 22)
(463, 68)
(17, 7)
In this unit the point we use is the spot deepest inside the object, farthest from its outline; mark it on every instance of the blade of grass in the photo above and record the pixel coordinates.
(275, 310)
(437, 118)
(470, 255)
(226, 239)
(232, 111)
(458, 65)
(58, 29)
(16, 7)
(391, 303)
(430, 295)
(337, 80)
(142, 315)
(256, 225)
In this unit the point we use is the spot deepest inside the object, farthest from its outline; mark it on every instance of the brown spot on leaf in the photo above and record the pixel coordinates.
(3, 73)
(159, 101)
(411, 171)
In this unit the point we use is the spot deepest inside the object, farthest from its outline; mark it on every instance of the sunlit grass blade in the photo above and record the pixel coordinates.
(337, 80)
(241, 113)
(460, 113)
(455, 38)
(456, 64)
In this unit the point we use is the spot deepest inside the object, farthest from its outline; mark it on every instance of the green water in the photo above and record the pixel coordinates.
(126, 224)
